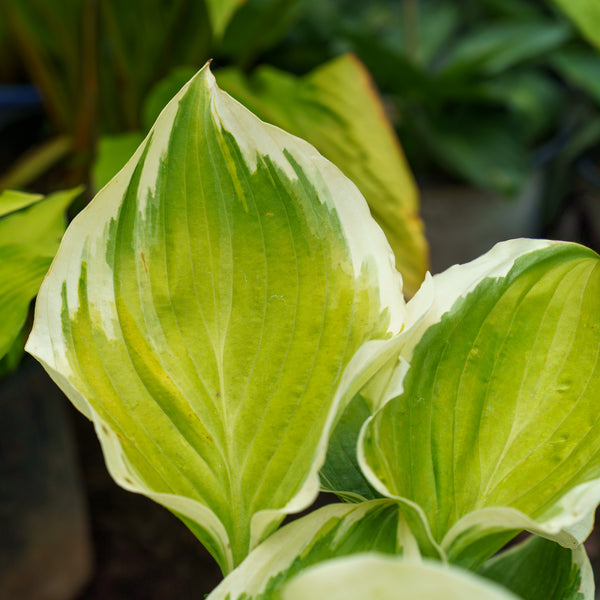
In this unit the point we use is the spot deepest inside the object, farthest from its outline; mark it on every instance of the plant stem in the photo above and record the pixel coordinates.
(36, 162)
(86, 117)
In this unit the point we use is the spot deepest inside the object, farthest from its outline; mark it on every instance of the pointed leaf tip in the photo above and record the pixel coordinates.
(201, 311)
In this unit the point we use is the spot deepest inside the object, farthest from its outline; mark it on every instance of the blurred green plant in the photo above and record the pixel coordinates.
(471, 82)
(573, 163)
(9, 64)
(94, 61)
(31, 227)
(109, 78)
(586, 16)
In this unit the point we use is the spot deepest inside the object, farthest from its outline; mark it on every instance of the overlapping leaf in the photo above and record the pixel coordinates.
(337, 108)
(332, 531)
(495, 426)
(539, 569)
(374, 576)
(202, 309)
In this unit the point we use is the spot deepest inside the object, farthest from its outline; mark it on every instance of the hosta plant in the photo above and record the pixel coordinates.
(228, 314)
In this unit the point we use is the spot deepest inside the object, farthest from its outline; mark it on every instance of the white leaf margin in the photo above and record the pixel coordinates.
(280, 550)
(85, 236)
(377, 576)
(572, 517)
(569, 526)
(369, 247)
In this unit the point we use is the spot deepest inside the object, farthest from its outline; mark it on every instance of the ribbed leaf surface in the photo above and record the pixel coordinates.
(202, 309)
(336, 107)
(499, 408)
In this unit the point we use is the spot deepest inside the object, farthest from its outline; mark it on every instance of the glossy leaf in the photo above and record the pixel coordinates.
(375, 576)
(376, 371)
(202, 309)
(337, 108)
(30, 231)
(539, 569)
(341, 472)
(332, 531)
(495, 425)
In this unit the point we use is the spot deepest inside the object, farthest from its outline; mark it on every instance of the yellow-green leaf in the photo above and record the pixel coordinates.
(586, 16)
(30, 230)
(202, 309)
(337, 108)
(495, 425)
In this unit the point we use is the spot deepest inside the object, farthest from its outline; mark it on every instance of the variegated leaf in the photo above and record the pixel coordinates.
(332, 531)
(495, 426)
(202, 309)
(337, 108)
(384, 578)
